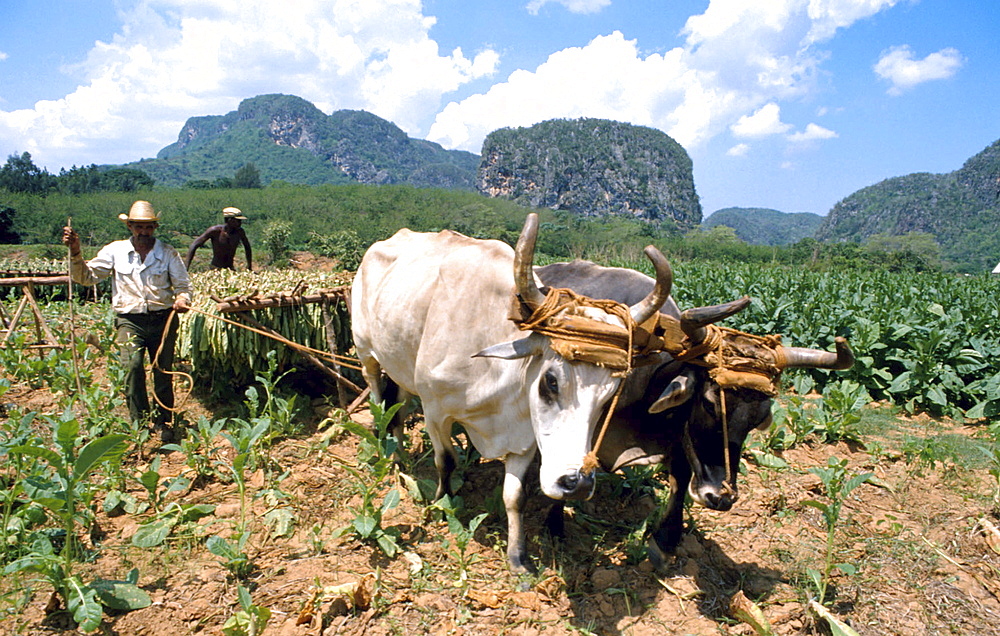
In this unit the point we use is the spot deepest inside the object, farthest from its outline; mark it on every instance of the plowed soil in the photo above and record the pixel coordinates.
(926, 561)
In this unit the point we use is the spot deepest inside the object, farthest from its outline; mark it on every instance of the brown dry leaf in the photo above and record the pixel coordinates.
(307, 613)
(527, 600)
(747, 611)
(363, 593)
(550, 587)
(488, 598)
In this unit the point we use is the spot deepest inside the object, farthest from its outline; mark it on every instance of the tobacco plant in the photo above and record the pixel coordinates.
(838, 487)
(376, 453)
(64, 491)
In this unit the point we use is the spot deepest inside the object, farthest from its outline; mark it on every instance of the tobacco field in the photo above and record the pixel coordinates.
(870, 506)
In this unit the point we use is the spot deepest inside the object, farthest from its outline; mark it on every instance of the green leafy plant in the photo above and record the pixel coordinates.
(199, 447)
(375, 463)
(65, 493)
(250, 620)
(232, 552)
(457, 547)
(838, 487)
(155, 532)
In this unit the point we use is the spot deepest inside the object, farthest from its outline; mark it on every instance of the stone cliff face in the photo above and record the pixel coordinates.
(592, 167)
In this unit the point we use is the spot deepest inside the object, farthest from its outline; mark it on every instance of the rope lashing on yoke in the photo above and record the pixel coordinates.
(734, 359)
(577, 337)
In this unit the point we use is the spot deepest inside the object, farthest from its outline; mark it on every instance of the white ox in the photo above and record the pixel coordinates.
(431, 312)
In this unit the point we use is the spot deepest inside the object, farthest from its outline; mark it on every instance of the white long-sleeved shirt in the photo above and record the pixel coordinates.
(138, 286)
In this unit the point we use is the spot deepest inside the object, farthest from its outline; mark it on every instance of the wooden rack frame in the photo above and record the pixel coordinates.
(46, 339)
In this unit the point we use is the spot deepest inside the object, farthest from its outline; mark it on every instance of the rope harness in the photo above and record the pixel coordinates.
(734, 359)
(578, 337)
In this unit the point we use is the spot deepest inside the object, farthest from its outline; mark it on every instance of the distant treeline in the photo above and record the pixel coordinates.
(344, 220)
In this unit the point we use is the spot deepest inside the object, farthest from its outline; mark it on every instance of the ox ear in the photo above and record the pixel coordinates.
(532, 345)
(679, 391)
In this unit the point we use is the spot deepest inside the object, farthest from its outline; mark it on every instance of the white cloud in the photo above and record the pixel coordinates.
(3, 56)
(739, 57)
(172, 59)
(607, 78)
(811, 133)
(904, 72)
(765, 121)
(573, 6)
(175, 58)
(739, 150)
(827, 16)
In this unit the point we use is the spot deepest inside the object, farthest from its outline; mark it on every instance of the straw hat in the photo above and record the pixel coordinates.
(233, 213)
(140, 211)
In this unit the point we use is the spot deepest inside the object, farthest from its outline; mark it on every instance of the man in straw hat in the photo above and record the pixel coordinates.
(149, 283)
(225, 239)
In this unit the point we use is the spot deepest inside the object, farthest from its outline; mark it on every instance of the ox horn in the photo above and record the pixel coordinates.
(524, 256)
(694, 320)
(642, 310)
(802, 358)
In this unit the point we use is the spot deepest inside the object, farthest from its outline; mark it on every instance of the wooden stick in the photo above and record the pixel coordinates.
(226, 306)
(331, 343)
(72, 313)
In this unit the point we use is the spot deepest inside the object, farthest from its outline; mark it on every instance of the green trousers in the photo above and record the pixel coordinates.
(137, 335)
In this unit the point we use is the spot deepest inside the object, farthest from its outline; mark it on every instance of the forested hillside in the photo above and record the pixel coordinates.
(762, 226)
(961, 209)
(301, 217)
(592, 167)
(288, 138)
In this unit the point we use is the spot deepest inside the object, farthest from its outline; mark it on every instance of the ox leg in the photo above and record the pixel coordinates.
(667, 535)
(444, 453)
(516, 467)
(555, 520)
(371, 370)
(394, 394)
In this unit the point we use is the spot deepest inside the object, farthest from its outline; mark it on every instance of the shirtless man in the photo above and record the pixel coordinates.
(225, 239)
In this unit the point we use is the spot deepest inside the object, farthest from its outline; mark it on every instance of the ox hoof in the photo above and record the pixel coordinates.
(521, 564)
(659, 556)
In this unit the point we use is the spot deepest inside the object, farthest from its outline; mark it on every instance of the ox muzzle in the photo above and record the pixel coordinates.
(574, 485)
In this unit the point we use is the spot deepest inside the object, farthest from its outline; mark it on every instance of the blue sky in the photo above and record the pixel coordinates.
(784, 104)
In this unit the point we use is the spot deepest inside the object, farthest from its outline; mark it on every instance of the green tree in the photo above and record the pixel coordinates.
(125, 180)
(913, 251)
(87, 179)
(20, 174)
(247, 176)
(7, 233)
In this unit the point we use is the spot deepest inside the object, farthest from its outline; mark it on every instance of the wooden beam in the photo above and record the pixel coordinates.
(277, 301)
(34, 280)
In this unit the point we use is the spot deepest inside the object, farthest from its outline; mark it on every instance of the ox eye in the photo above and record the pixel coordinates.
(548, 388)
